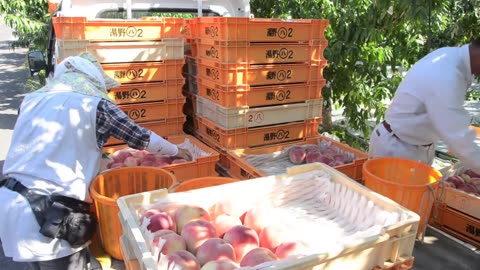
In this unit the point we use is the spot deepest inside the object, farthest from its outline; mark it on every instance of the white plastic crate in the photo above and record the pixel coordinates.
(374, 230)
(123, 52)
(241, 117)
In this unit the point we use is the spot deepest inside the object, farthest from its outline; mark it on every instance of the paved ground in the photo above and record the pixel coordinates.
(12, 80)
(438, 251)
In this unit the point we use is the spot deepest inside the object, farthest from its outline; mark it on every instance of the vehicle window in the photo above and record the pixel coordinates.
(137, 14)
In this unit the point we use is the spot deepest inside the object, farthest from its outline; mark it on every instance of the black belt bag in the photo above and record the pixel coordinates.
(58, 216)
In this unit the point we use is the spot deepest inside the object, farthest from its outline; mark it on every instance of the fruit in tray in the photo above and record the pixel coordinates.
(243, 239)
(257, 256)
(323, 151)
(467, 181)
(188, 213)
(196, 243)
(174, 242)
(196, 233)
(215, 249)
(182, 260)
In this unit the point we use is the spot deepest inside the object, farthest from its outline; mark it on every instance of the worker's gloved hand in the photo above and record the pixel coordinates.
(184, 153)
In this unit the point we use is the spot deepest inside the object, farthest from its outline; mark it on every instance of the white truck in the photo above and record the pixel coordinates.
(133, 9)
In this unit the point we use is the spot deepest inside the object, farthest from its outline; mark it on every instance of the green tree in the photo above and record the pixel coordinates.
(370, 40)
(29, 20)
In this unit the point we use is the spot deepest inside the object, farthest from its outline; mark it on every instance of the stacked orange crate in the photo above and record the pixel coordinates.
(259, 81)
(146, 56)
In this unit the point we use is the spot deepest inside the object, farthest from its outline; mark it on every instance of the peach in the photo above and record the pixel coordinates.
(215, 249)
(224, 222)
(223, 264)
(196, 233)
(181, 260)
(259, 217)
(161, 221)
(174, 242)
(149, 213)
(188, 213)
(291, 248)
(272, 236)
(257, 256)
(243, 239)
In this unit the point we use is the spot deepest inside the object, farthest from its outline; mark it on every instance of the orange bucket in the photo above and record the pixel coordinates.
(410, 183)
(202, 182)
(107, 187)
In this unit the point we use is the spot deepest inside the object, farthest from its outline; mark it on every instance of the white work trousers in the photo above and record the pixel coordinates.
(386, 144)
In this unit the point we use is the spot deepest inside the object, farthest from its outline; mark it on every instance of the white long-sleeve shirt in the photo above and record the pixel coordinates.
(428, 104)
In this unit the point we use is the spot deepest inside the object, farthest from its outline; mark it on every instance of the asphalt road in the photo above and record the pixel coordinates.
(13, 76)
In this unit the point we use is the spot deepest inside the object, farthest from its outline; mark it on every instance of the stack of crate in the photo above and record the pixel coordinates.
(146, 56)
(258, 81)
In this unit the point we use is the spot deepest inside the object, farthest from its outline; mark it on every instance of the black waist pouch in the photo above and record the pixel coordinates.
(58, 216)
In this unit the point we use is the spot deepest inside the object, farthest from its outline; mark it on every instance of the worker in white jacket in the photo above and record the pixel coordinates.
(428, 106)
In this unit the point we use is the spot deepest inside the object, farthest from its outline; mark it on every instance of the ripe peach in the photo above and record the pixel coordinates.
(224, 222)
(161, 221)
(243, 239)
(196, 233)
(257, 256)
(215, 249)
(174, 242)
(290, 248)
(272, 236)
(182, 260)
(188, 213)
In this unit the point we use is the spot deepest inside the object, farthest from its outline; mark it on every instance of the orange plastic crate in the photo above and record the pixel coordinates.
(261, 53)
(81, 28)
(457, 224)
(52, 6)
(164, 128)
(258, 136)
(241, 169)
(189, 29)
(257, 30)
(154, 111)
(200, 167)
(145, 72)
(147, 92)
(255, 96)
(254, 75)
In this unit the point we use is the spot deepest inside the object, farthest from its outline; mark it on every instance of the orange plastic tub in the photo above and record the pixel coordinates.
(202, 182)
(154, 111)
(261, 53)
(256, 96)
(407, 182)
(145, 72)
(257, 136)
(81, 28)
(166, 127)
(261, 29)
(254, 75)
(147, 92)
(107, 187)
